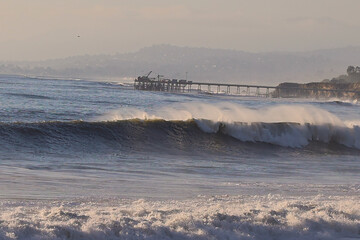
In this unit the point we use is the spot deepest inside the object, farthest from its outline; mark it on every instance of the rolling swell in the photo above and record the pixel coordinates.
(161, 135)
(132, 135)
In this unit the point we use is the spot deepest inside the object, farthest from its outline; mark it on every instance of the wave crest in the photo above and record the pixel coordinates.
(228, 113)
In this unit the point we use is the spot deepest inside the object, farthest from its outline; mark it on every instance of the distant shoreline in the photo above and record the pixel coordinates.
(343, 86)
(335, 90)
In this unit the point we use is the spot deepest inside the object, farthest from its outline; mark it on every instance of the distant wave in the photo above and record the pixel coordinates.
(24, 95)
(341, 102)
(217, 217)
(50, 77)
(161, 135)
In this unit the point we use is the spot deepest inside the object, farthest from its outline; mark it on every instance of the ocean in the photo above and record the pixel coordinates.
(83, 159)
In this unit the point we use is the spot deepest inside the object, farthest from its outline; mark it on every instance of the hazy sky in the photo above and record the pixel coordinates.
(41, 29)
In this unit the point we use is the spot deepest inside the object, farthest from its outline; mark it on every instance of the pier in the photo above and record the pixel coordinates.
(182, 85)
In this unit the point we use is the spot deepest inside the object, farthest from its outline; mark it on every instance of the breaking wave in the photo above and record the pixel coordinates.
(217, 217)
(187, 126)
(283, 125)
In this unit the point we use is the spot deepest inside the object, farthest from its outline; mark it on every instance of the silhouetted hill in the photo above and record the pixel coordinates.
(202, 64)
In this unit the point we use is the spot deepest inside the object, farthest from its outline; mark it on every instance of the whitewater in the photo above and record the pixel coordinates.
(98, 160)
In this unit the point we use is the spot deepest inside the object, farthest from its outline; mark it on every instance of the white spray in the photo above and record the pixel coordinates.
(293, 125)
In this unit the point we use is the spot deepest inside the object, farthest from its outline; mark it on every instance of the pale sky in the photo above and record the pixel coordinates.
(43, 29)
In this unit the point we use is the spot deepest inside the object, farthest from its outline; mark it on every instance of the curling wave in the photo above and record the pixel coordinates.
(286, 134)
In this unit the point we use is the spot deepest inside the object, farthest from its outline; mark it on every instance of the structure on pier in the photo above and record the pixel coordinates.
(174, 85)
(161, 84)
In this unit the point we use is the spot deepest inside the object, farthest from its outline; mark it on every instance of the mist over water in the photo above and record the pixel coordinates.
(229, 112)
(95, 160)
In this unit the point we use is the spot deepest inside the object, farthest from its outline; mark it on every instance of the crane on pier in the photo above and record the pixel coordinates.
(148, 74)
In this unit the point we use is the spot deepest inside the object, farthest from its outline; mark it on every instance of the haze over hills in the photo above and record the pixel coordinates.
(201, 64)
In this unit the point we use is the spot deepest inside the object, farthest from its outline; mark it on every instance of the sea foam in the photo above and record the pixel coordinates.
(216, 217)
